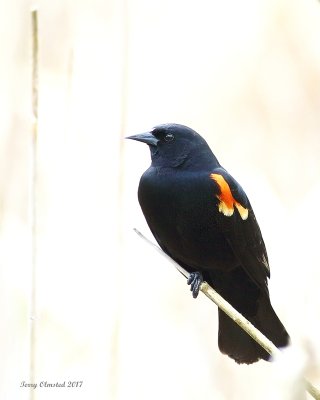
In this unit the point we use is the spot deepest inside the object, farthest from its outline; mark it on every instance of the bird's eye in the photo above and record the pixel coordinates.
(169, 137)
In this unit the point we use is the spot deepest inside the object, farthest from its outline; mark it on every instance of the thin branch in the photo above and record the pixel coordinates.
(232, 313)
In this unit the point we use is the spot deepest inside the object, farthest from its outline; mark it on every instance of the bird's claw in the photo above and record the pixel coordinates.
(195, 279)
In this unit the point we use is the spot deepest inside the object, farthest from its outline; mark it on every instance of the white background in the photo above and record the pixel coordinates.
(109, 311)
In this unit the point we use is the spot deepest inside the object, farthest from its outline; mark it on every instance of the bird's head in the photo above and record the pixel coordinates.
(172, 145)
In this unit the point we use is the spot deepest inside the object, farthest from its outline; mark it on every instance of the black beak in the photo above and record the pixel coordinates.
(146, 137)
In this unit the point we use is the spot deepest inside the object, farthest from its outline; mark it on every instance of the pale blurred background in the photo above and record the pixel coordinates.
(109, 311)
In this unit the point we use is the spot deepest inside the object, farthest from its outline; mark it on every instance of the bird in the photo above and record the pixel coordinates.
(202, 218)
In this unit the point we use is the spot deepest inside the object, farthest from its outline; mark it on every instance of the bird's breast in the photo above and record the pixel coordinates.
(181, 211)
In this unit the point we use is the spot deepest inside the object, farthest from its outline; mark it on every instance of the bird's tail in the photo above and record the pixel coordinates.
(237, 344)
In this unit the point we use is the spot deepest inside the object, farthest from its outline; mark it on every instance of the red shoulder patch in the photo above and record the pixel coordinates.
(227, 201)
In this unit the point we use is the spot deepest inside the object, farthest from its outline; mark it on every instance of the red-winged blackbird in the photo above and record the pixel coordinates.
(202, 218)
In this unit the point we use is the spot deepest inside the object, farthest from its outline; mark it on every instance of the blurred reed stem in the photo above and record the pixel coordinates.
(33, 189)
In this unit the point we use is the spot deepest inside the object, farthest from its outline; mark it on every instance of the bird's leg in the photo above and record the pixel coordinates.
(195, 279)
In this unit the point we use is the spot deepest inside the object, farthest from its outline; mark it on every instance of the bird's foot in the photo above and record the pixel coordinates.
(195, 279)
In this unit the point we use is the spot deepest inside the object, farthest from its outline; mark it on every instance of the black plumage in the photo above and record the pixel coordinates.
(202, 218)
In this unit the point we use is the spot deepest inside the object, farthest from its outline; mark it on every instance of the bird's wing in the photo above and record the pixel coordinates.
(239, 226)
